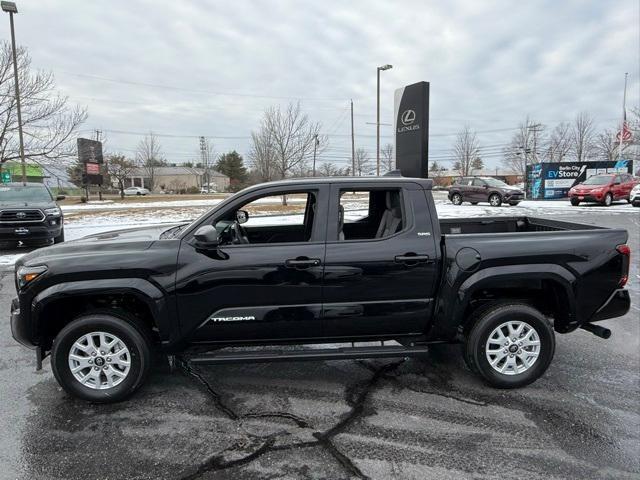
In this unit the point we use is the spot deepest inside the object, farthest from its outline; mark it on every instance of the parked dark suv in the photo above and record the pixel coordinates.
(484, 189)
(29, 214)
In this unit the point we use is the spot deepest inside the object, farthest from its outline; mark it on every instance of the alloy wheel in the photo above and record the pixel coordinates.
(99, 360)
(512, 348)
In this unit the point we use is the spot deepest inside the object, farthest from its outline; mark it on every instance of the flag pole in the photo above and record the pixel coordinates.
(624, 116)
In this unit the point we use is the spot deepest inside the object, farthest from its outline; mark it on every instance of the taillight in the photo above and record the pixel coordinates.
(626, 251)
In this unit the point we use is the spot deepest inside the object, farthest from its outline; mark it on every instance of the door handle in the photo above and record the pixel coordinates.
(412, 258)
(301, 262)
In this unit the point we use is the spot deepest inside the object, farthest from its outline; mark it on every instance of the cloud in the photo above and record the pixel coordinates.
(490, 64)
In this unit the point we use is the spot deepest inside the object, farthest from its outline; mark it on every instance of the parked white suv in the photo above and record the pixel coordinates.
(634, 196)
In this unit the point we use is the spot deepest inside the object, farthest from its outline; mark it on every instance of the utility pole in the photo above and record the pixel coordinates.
(98, 134)
(204, 154)
(383, 67)
(535, 129)
(315, 146)
(353, 145)
(11, 8)
(624, 116)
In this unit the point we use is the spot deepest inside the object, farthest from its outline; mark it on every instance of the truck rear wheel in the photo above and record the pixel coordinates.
(101, 358)
(510, 345)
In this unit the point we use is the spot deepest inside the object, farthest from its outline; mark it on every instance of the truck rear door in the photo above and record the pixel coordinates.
(380, 262)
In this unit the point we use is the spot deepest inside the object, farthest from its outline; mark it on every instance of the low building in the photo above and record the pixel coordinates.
(177, 179)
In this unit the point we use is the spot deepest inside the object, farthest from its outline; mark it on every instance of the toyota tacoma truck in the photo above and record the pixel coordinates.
(29, 214)
(359, 261)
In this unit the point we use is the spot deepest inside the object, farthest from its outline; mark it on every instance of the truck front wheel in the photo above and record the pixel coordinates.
(510, 345)
(101, 358)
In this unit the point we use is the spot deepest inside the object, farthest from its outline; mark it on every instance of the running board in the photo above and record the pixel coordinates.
(267, 356)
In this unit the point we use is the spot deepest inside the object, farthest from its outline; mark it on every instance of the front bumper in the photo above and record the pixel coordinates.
(19, 328)
(27, 232)
(587, 197)
(617, 305)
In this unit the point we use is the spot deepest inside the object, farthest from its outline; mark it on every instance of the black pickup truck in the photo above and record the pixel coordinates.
(351, 260)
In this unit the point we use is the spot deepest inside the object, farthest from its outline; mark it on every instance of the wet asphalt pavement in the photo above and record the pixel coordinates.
(419, 418)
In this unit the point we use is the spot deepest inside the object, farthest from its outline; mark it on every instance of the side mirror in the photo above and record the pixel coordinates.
(616, 183)
(60, 197)
(206, 236)
(242, 216)
(485, 186)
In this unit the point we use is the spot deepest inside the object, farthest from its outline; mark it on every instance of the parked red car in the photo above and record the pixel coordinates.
(603, 189)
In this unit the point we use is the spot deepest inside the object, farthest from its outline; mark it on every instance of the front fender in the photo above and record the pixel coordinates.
(152, 296)
(458, 290)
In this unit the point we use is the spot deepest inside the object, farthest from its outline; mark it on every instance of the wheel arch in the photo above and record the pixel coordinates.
(143, 302)
(547, 287)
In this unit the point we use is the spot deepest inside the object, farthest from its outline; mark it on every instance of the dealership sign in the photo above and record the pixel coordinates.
(553, 180)
(90, 155)
(411, 126)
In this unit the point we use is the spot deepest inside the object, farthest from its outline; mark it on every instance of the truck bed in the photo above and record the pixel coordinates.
(453, 226)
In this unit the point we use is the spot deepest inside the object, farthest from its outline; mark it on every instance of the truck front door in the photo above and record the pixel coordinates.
(381, 260)
(264, 280)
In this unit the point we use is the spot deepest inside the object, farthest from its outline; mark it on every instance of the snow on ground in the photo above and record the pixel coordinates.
(82, 220)
(204, 202)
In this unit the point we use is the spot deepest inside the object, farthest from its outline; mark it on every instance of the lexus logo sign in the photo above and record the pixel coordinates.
(21, 215)
(408, 117)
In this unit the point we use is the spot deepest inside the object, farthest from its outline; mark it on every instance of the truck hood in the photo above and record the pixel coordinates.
(124, 241)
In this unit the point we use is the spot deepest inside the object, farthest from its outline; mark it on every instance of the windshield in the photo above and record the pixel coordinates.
(492, 182)
(598, 180)
(21, 193)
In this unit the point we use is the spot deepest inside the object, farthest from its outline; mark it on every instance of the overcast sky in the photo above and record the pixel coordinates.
(189, 68)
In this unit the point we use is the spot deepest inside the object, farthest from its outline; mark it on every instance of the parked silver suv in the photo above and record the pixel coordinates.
(484, 189)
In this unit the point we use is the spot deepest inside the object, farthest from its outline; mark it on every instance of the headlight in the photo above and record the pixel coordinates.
(26, 275)
(52, 212)
(636, 189)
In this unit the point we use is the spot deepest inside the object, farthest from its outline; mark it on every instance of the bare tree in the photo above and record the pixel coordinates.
(435, 170)
(120, 168)
(466, 149)
(149, 157)
(49, 123)
(262, 156)
(582, 136)
(388, 162)
(328, 169)
(522, 149)
(362, 162)
(605, 145)
(292, 137)
(558, 145)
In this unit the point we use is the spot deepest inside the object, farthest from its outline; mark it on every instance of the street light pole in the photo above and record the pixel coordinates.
(383, 67)
(11, 8)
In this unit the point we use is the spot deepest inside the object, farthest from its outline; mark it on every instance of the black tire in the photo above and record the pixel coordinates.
(497, 200)
(514, 204)
(474, 203)
(635, 204)
(134, 337)
(575, 202)
(491, 317)
(138, 193)
(59, 238)
(456, 199)
(608, 200)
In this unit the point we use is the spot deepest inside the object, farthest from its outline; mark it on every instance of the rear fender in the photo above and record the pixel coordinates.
(455, 297)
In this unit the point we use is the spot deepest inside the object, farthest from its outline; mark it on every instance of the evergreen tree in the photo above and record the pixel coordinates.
(232, 165)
